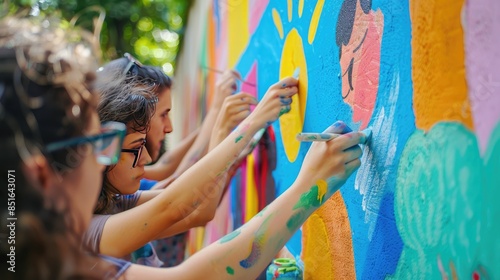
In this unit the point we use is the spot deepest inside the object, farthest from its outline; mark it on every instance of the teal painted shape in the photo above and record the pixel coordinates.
(488, 254)
(445, 204)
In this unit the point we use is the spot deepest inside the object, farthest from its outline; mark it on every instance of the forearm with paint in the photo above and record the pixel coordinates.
(244, 253)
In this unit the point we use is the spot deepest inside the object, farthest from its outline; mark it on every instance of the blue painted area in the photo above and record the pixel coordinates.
(325, 106)
(383, 253)
(215, 8)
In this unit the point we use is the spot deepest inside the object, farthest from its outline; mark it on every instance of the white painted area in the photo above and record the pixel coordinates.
(378, 159)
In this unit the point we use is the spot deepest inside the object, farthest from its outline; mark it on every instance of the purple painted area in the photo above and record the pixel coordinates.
(482, 42)
(255, 253)
(257, 8)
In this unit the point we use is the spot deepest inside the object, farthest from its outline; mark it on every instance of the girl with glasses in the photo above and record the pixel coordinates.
(50, 100)
(130, 72)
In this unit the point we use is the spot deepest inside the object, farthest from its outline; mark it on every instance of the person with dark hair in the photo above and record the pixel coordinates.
(122, 180)
(51, 81)
(130, 72)
(359, 38)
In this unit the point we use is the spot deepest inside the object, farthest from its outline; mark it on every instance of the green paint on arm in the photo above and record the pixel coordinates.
(230, 236)
(296, 220)
(312, 198)
(230, 270)
(238, 139)
(261, 213)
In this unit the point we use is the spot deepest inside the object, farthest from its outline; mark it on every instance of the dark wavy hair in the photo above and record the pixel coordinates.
(46, 95)
(125, 100)
(137, 73)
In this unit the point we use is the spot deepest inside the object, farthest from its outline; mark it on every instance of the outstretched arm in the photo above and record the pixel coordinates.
(144, 222)
(225, 87)
(235, 109)
(169, 161)
(245, 253)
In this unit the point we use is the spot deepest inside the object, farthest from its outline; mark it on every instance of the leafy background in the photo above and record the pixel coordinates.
(151, 30)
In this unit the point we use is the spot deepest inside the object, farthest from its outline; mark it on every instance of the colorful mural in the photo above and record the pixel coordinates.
(421, 74)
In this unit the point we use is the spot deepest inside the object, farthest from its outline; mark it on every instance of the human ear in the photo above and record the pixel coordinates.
(38, 172)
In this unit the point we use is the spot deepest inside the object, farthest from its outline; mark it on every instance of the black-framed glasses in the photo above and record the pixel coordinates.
(137, 152)
(106, 144)
(131, 62)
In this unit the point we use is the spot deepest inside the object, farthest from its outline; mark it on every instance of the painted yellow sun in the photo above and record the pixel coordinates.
(293, 57)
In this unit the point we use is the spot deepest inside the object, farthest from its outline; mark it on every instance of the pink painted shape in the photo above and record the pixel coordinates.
(257, 9)
(243, 199)
(221, 49)
(482, 52)
(367, 81)
(251, 77)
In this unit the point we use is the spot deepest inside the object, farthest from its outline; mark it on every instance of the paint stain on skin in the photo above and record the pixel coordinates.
(312, 198)
(243, 128)
(322, 188)
(230, 270)
(283, 111)
(230, 236)
(261, 213)
(296, 220)
(257, 245)
(255, 252)
(238, 139)
(309, 199)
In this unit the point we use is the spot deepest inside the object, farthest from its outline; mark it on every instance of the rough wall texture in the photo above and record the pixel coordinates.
(422, 74)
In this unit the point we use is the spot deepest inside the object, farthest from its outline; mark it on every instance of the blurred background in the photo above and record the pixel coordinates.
(151, 30)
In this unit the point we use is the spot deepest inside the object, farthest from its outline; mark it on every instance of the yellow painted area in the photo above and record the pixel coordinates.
(322, 189)
(252, 202)
(278, 23)
(290, 10)
(293, 122)
(301, 7)
(316, 250)
(195, 240)
(330, 219)
(439, 82)
(238, 31)
(313, 26)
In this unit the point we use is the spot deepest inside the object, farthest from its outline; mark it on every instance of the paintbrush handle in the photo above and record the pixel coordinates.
(221, 72)
(311, 137)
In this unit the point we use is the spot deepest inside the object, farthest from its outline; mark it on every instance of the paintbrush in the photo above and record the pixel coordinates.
(325, 136)
(221, 72)
(311, 137)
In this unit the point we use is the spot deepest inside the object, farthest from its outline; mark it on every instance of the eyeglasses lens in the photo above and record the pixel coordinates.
(107, 148)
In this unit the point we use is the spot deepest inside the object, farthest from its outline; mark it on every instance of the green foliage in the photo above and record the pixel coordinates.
(151, 30)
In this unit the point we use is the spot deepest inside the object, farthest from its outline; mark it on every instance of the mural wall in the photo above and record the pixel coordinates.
(422, 74)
